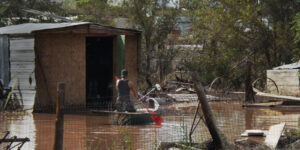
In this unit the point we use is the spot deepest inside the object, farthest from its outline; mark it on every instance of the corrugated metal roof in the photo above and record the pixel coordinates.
(28, 28)
(295, 65)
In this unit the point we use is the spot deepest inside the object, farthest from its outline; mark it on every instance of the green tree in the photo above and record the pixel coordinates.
(296, 28)
(94, 11)
(232, 32)
(11, 11)
(156, 20)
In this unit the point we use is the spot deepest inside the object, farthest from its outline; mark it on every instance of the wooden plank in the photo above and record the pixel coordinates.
(259, 93)
(70, 31)
(109, 30)
(270, 104)
(254, 133)
(274, 135)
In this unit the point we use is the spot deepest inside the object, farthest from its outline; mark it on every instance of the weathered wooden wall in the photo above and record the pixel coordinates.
(119, 54)
(131, 57)
(61, 58)
(286, 80)
(22, 68)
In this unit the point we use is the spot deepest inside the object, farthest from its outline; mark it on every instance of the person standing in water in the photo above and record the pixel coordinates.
(125, 87)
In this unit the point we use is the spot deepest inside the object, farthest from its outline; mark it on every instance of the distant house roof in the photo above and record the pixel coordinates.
(28, 28)
(295, 65)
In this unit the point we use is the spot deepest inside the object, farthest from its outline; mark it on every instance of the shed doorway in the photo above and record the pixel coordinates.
(99, 72)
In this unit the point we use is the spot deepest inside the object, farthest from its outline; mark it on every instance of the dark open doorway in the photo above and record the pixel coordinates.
(99, 71)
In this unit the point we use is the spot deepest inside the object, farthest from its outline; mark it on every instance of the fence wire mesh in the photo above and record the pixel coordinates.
(85, 130)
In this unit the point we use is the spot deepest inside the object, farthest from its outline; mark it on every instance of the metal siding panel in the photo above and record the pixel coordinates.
(4, 60)
(22, 60)
(28, 28)
(287, 81)
(22, 44)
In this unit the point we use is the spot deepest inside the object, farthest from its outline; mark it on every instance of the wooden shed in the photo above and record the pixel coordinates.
(83, 55)
(286, 78)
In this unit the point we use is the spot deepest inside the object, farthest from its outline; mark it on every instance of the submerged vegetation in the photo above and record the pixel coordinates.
(9, 99)
(291, 140)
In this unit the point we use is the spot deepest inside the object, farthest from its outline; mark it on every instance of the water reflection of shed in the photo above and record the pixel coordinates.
(83, 55)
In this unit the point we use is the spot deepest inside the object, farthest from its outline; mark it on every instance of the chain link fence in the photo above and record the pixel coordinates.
(86, 130)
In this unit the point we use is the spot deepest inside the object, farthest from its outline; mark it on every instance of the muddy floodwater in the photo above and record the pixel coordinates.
(92, 132)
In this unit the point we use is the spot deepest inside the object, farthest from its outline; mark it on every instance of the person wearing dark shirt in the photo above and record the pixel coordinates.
(125, 87)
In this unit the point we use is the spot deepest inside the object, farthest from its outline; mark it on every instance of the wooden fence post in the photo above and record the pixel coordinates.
(59, 124)
(207, 112)
(249, 94)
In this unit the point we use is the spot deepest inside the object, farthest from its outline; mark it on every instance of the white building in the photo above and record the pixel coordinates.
(286, 78)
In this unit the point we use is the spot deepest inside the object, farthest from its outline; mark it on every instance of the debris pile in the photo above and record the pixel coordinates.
(178, 87)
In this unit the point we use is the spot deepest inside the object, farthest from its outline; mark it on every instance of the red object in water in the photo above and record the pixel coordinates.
(156, 118)
(116, 78)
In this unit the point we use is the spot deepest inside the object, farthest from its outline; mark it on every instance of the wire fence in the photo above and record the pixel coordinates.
(88, 130)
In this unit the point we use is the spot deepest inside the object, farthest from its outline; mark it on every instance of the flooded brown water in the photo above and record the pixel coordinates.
(92, 132)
